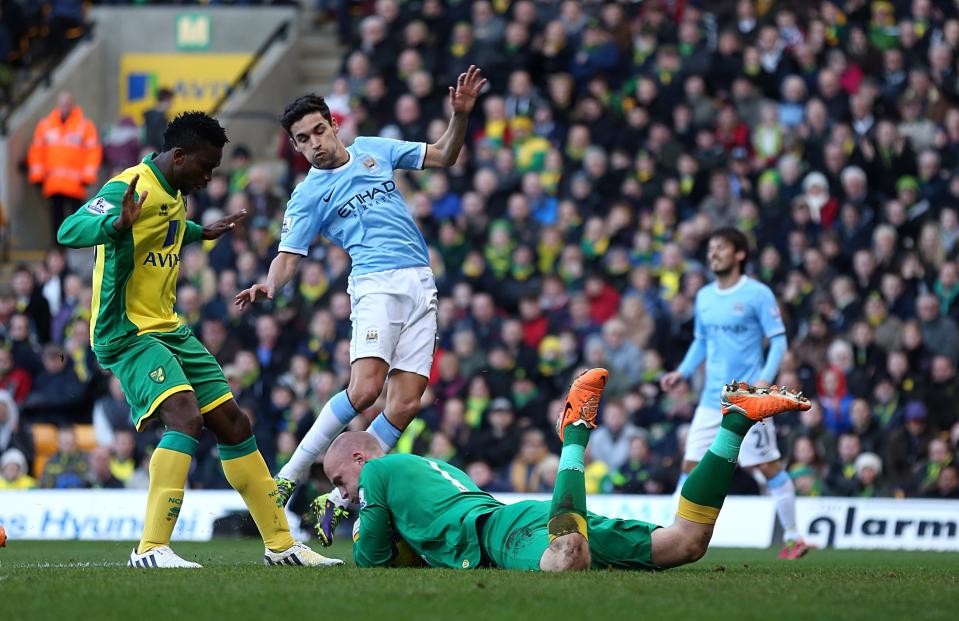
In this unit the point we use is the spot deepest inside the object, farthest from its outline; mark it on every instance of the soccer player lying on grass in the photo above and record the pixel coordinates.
(412, 506)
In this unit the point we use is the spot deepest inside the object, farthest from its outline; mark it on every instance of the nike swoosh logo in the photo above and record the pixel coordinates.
(329, 196)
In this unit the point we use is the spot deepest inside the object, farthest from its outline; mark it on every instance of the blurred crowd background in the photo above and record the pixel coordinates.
(612, 139)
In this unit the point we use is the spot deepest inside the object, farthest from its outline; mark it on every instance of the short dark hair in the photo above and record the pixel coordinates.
(301, 106)
(164, 94)
(735, 237)
(192, 131)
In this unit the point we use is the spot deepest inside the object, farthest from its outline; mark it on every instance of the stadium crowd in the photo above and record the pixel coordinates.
(571, 232)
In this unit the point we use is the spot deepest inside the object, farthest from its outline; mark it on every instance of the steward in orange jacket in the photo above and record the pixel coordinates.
(64, 157)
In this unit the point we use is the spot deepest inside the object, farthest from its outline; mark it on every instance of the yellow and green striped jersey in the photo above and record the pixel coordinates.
(134, 278)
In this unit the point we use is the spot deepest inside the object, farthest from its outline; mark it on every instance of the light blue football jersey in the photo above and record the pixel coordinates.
(733, 322)
(359, 208)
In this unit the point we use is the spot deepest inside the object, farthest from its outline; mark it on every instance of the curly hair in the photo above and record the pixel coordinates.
(191, 131)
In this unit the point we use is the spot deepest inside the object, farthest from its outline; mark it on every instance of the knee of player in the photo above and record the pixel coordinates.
(404, 408)
(567, 553)
(695, 546)
(179, 412)
(363, 395)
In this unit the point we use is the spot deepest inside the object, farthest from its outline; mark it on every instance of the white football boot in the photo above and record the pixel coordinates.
(160, 558)
(299, 554)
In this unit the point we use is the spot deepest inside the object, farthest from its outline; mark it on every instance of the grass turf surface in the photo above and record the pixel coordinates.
(86, 580)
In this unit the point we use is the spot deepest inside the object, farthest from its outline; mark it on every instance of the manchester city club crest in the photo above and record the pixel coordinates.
(372, 335)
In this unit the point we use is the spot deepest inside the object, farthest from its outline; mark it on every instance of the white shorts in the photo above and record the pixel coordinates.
(759, 445)
(394, 318)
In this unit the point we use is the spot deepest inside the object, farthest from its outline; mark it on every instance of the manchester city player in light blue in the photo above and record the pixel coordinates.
(735, 314)
(350, 198)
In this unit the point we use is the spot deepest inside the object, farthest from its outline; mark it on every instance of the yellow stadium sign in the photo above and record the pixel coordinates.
(198, 81)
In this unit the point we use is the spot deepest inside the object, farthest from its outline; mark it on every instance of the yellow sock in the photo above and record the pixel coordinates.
(247, 473)
(168, 470)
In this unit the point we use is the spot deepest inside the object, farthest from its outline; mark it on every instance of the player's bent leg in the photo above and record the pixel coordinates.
(681, 543)
(169, 467)
(402, 405)
(567, 513)
(246, 471)
(367, 376)
(566, 553)
(705, 490)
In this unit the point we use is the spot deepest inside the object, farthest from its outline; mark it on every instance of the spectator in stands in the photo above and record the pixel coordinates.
(497, 442)
(64, 158)
(14, 380)
(612, 440)
(123, 453)
(68, 467)
(24, 345)
(13, 471)
(66, 18)
(926, 473)
(111, 414)
(841, 477)
(947, 484)
(526, 470)
(31, 302)
(156, 118)
(484, 477)
(907, 446)
(99, 474)
(864, 425)
(639, 474)
(13, 435)
(939, 332)
(57, 393)
(868, 483)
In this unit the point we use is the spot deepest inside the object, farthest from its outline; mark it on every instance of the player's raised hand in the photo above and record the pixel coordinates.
(130, 208)
(468, 87)
(223, 225)
(254, 294)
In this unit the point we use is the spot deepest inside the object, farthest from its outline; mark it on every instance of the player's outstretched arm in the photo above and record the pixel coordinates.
(101, 220)
(443, 153)
(281, 271)
(221, 226)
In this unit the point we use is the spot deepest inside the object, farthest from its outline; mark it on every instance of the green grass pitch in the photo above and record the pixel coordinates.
(87, 580)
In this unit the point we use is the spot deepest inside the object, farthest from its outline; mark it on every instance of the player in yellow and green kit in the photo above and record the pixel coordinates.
(418, 509)
(137, 222)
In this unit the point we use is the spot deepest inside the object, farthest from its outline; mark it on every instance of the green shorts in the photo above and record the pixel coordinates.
(158, 364)
(515, 537)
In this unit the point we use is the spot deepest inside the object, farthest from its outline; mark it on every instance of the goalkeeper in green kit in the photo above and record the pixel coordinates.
(415, 510)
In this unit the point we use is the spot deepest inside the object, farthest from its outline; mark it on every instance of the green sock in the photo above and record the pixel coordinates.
(567, 513)
(706, 487)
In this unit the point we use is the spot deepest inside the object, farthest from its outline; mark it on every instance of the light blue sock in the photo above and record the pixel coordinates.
(385, 432)
(342, 408)
(333, 418)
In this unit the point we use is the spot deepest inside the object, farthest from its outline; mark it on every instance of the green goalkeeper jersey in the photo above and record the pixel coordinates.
(430, 504)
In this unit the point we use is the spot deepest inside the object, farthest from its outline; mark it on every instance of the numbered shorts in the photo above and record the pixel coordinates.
(759, 446)
(394, 318)
(515, 537)
(159, 364)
